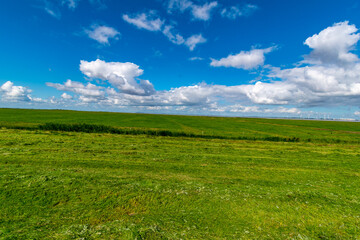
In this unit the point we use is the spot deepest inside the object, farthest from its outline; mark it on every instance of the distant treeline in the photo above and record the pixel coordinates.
(96, 128)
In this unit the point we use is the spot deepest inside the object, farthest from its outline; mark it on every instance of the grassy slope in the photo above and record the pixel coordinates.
(104, 186)
(349, 131)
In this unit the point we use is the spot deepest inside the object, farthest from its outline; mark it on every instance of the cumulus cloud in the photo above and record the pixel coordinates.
(120, 75)
(270, 93)
(66, 96)
(199, 12)
(148, 21)
(10, 92)
(187, 95)
(237, 11)
(125, 91)
(200, 96)
(151, 22)
(245, 59)
(332, 76)
(333, 45)
(102, 34)
(89, 92)
(320, 85)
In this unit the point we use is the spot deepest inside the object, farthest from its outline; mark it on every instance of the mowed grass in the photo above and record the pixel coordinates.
(69, 185)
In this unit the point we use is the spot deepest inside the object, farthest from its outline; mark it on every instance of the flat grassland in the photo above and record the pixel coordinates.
(176, 177)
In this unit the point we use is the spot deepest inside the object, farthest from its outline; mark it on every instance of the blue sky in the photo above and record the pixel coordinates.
(232, 58)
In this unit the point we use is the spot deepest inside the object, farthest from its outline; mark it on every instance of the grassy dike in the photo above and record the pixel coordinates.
(100, 185)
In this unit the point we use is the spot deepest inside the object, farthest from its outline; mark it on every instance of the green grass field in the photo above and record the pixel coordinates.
(78, 185)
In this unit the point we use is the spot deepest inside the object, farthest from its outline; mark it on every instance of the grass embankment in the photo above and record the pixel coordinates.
(172, 125)
(74, 185)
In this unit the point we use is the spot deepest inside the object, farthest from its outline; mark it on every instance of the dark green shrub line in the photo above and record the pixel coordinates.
(19, 127)
(95, 128)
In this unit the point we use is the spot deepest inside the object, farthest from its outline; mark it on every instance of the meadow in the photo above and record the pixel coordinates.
(97, 175)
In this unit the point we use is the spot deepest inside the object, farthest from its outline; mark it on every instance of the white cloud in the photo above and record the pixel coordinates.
(12, 93)
(153, 23)
(89, 91)
(332, 78)
(269, 93)
(120, 75)
(236, 11)
(200, 98)
(197, 97)
(128, 92)
(286, 110)
(333, 45)
(357, 113)
(37, 100)
(66, 96)
(245, 59)
(148, 21)
(174, 38)
(196, 59)
(199, 12)
(318, 85)
(194, 40)
(188, 96)
(191, 42)
(203, 12)
(102, 34)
